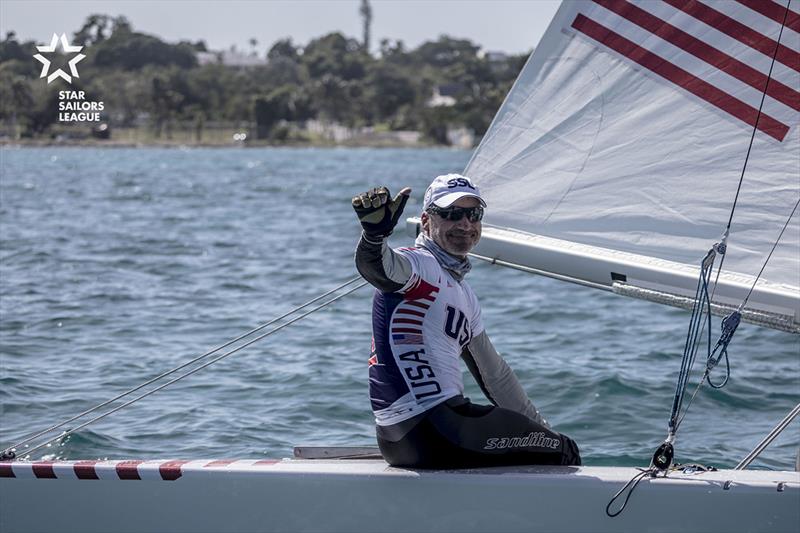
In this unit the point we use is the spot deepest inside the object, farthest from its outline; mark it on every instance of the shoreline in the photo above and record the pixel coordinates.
(97, 143)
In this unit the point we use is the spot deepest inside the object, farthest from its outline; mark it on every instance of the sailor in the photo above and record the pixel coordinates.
(425, 318)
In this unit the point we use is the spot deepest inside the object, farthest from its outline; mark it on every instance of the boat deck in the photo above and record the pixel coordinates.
(368, 495)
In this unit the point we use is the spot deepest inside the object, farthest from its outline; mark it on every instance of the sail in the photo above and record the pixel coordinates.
(615, 158)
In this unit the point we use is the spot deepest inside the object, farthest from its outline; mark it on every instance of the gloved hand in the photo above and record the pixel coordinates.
(377, 212)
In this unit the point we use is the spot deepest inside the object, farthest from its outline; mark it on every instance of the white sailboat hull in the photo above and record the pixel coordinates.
(368, 495)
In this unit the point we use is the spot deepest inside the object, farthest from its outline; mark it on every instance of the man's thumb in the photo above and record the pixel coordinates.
(399, 202)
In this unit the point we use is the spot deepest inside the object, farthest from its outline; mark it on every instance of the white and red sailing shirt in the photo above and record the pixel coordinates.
(418, 334)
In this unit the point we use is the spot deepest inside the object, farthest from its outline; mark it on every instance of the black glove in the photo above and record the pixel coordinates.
(376, 211)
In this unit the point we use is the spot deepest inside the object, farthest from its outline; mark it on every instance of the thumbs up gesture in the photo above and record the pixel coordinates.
(378, 212)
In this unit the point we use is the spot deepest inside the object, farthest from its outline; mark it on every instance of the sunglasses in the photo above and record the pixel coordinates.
(454, 214)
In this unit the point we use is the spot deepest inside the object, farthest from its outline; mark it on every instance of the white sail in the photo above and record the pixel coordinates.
(616, 157)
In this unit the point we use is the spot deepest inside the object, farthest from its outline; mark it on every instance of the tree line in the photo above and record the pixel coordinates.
(332, 78)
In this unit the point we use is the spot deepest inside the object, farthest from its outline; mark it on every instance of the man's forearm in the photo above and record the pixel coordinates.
(380, 265)
(497, 380)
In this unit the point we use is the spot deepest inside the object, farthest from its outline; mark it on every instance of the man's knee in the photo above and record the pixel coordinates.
(570, 454)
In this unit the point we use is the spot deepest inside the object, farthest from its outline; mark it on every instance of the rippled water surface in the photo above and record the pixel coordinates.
(118, 264)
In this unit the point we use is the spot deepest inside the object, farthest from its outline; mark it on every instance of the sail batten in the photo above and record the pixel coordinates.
(627, 131)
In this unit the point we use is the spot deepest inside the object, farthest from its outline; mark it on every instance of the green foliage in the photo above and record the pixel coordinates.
(388, 90)
(335, 55)
(445, 52)
(132, 51)
(11, 49)
(16, 95)
(283, 49)
(286, 103)
(93, 30)
(144, 80)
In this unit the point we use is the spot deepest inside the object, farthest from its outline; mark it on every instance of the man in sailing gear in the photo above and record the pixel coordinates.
(425, 317)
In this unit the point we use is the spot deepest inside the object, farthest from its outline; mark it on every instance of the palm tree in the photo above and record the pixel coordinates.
(366, 14)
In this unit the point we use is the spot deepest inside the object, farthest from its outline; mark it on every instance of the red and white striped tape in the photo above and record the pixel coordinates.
(124, 470)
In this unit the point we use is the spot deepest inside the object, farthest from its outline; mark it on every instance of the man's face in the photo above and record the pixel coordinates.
(456, 238)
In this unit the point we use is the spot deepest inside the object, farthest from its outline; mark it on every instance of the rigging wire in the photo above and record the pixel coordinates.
(702, 307)
(28, 438)
(662, 458)
(780, 235)
(724, 242)
(731, 322)
(750, 145)
(9, 453)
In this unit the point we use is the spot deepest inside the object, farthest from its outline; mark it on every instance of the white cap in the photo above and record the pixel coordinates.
(446, 189)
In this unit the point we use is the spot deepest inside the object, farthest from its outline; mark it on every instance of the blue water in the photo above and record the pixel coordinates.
(118, 264)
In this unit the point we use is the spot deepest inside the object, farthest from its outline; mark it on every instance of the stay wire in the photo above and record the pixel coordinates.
(683, 379)
(184, 365)
(775, 245)
(194, 370)
(28, 439)
(735, 201)
(752, 139)
(711, 363)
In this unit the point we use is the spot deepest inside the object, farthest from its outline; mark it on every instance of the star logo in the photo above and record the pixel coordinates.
(67, 49)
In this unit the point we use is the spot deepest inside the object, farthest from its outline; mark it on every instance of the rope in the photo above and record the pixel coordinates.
(731, 322)
(752, 138)
(729, 325)
(662, 458)
(744, 168)
(649, 472)
(775, 245)
(9, 453)
(702, 306)
(652, 473)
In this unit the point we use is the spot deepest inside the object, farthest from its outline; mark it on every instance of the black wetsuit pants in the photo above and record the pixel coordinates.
(460, 434)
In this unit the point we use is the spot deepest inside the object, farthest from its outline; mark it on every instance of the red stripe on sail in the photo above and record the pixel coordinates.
(6, 470)
(775, 11)
(738, 31)
(680, 77)
(709, 54)
(418, 304)
(85, 470)
(44, 470)
(128, 469)
(171, 470)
